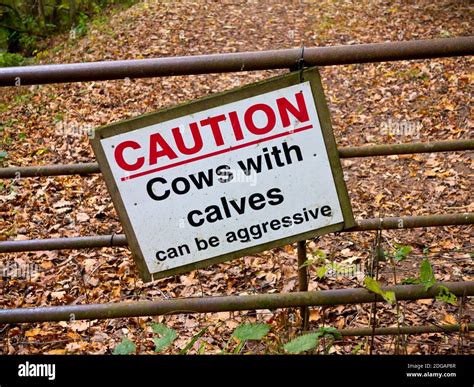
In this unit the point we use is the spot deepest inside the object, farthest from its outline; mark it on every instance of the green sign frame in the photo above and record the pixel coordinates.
(215, 100)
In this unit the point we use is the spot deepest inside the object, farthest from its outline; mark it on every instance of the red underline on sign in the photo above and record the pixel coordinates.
(216, 153)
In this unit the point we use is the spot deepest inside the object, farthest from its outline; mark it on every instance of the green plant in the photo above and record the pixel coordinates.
(318, 257)
(374, 286)
(427, 279)
(321, 271)
(126, 347)
(3, 155)
(246, 332)
(165, 338)
(445, 295)
(10, 59)
(242, 334)
(81, 27)
(193, 341)
(25, 24)
(322, 265)
(28, 43)
(302, 343)
(310, 341)
(401, 252)
(357, 349)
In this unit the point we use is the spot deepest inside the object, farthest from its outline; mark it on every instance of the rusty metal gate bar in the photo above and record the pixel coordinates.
(245, 61)
(225, 303)
(233, 62)
(347, 152)
(120, 240)
(406, 330)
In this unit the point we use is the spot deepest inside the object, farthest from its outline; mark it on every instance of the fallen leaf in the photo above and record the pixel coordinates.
(58, 295)
(56, 352)
(450, 319)
(82, 217)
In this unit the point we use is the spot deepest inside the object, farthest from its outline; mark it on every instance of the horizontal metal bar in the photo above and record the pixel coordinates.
(409, 148)
(85, 242)
(410, 330)
(349, 152)
(405, 222)
(233, 62)
(49, 170)
(383, 331)
(223, 303)
(120, 240)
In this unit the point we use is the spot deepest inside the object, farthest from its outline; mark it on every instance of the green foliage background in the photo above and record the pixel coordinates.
(25, 24)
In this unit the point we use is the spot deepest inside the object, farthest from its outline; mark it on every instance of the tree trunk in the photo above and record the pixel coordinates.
(41, 12)
(72, 12)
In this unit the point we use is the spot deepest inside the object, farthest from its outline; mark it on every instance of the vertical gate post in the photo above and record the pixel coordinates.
(303, 280)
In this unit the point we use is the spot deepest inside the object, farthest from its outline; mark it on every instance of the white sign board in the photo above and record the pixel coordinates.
(224, 179)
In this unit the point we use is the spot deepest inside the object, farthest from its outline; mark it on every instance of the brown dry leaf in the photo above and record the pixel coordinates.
(221, 316)
(450, 319)
(346, 252)
(188, 280)
(76, 346)
(89, 264)
(80, 326)
(92, 281)
(62, 203)
(116, 291)
(231, 324)
(82, 217)
(427, 301)
(378, 198)
(314, 315)
(289, 286)
(33, 332)
(46, 265)
(57, 352)
(58, 295)
(340, 322)
(73, 335)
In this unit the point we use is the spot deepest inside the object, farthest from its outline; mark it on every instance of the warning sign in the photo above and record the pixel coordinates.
(225, 176)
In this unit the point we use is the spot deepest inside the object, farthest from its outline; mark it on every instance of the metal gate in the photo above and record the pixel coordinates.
(245, 61)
